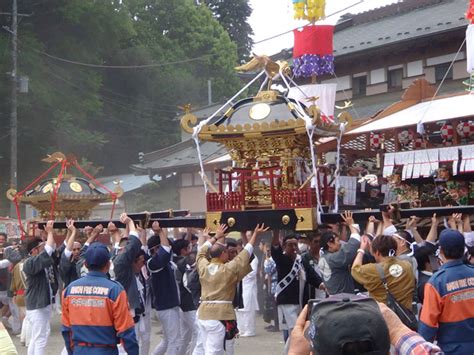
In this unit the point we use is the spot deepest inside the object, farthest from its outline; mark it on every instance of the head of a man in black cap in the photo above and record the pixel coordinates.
(451, 244)
(97, 257)
(34, 246)
(347, 324)
(330, 242)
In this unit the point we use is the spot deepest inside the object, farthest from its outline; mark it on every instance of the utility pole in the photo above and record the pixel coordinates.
(13, 117)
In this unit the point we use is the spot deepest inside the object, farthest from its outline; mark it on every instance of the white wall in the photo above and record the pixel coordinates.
(447, 58)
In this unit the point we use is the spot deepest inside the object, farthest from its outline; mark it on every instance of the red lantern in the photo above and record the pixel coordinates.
(375, 140)
(447, 132)
(465, 129)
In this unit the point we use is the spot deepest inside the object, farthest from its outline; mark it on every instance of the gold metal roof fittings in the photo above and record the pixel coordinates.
(75, 197)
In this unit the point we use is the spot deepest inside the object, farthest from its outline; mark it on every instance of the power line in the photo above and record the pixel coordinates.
(151, 106)
(106, 99)
(153, 65)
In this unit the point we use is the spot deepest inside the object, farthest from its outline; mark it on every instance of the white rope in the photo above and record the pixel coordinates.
(342, 128)
(197, 129)
(310, 131)
(419, 126)
(263, 84)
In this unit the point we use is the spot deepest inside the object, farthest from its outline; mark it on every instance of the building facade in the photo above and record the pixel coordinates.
(378, 54)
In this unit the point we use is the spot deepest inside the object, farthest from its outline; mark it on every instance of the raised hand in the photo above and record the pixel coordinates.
(125, 219)
(457, 217)
(70, 225)
(97, 230)
(372, 219)
(220, 232)
(49, 226)
(88, 231)
(112, 228)
(412, 222)
(348, 218)
(260, 229)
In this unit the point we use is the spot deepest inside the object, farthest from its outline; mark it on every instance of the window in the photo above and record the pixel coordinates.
(395, 78)
(440, 71)
(359, 86)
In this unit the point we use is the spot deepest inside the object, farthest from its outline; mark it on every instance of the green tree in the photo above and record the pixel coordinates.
(106, 114)
(233, 16)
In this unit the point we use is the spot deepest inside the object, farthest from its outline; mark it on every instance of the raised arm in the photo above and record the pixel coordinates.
(276, 238)
(38, 263)
(65, 262)
(259, 229)
(72, 235)
(466, 223)
(132, 248)
(163, 254)
(370, 228)
(203, 236)
(412, 228)
(387, 218)
(433, 233)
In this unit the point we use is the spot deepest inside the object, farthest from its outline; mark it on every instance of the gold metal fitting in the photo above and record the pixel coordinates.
(285, 219)
(231, 221)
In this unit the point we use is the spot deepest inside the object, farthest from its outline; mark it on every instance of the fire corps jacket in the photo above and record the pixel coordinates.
(95, 317)
(448, 308)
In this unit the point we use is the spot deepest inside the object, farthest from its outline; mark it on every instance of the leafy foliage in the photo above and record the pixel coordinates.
(105, 114)
(233, 15)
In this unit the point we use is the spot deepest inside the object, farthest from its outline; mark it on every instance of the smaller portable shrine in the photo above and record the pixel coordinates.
(268, 139)
(56, 193)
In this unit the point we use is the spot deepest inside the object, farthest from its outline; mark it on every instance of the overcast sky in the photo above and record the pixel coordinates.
(272, 17)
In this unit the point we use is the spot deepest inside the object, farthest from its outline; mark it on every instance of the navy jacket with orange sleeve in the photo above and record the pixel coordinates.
(95, 317)
(448, 308)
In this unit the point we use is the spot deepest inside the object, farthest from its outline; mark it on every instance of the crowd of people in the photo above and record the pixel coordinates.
(339, 289)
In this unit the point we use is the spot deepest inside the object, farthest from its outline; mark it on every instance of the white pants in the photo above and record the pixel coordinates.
(188, 323)
(143, 331)
(287, 315)
(39, 320)
(171, 343)
(15, 321)
(246, 322)
(229, 347)
(212, 334)
(25, 334)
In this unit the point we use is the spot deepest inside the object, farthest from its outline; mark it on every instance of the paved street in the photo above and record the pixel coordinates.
(263, 343)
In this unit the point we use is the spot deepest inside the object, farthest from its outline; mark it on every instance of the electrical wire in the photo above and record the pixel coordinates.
(106, 99)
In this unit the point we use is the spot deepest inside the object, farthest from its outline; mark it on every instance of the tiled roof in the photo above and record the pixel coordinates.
(128, 182)
(395, 23)
(178, 156)
(444, 16)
